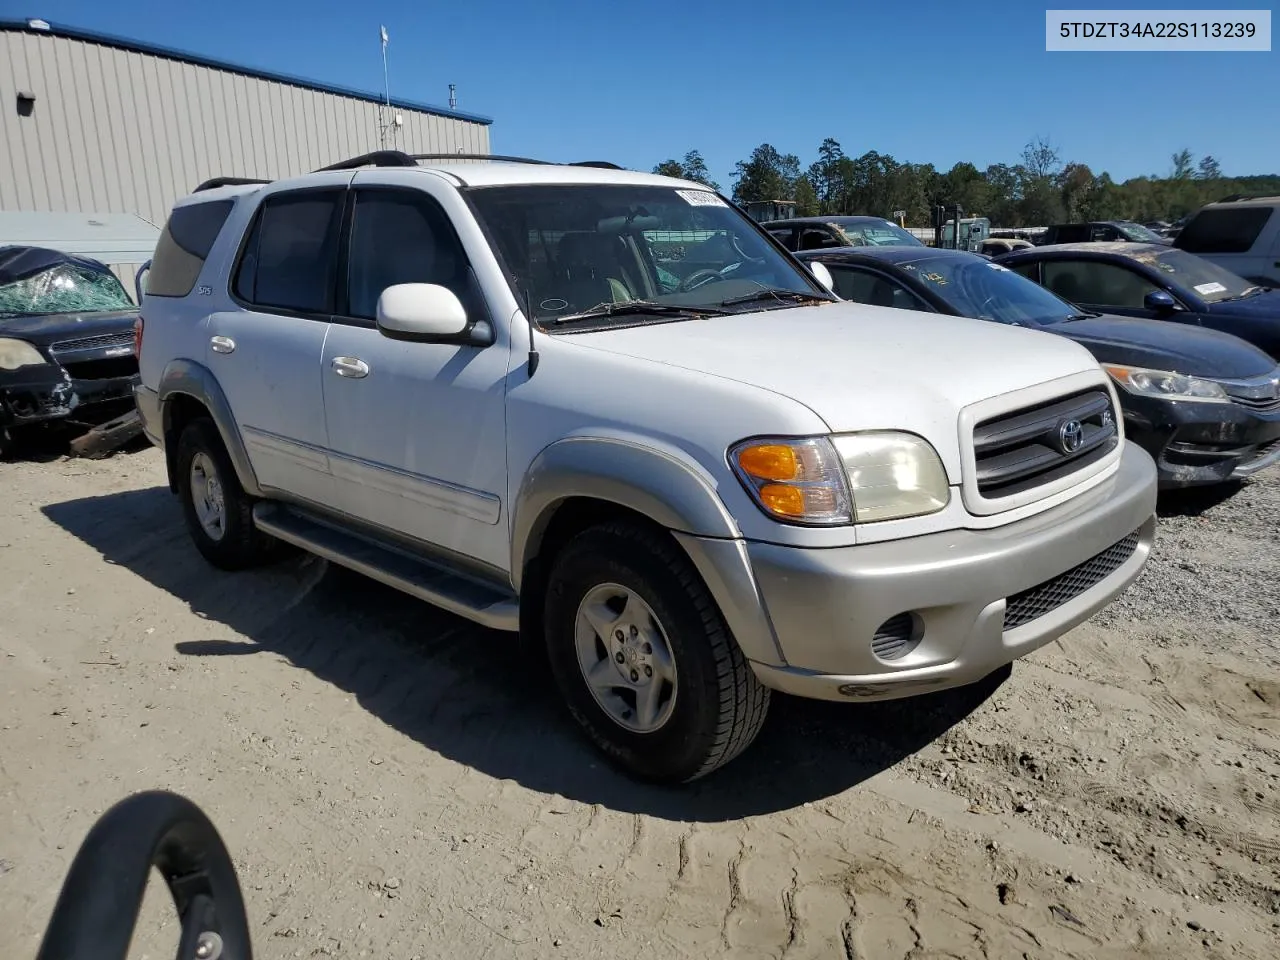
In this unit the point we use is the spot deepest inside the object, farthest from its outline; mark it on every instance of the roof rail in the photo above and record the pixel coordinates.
(227, 182)
(475, 156)
(379, 158)
(602, 164)
(1233, 198)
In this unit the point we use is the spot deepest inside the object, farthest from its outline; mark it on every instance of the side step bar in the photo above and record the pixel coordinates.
(483, 604)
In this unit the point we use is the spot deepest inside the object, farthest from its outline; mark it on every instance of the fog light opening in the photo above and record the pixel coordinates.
(897, 636)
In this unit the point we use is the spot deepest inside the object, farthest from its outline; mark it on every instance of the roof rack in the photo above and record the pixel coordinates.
(397, 158)
(227, 182)
(379, 158)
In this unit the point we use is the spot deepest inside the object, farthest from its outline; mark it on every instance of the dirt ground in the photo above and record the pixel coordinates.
(395, 783)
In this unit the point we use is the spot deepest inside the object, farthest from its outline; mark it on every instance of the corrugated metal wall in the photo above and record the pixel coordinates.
(120, 131)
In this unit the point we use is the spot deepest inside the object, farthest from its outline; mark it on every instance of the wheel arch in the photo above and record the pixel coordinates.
(188, 390)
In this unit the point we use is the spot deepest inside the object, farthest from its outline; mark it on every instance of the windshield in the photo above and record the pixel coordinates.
(1206, 280)
(63, 289)
(571, 249)
(876, 233)
(976, 287)
(1138, 233)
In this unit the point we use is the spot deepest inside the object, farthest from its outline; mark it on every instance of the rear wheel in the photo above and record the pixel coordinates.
(218, 512)
(643, 658)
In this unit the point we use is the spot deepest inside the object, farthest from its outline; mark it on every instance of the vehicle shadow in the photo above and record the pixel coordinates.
(469, 695)
(1194, 501)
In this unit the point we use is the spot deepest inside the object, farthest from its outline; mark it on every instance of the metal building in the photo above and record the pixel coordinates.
(96, 123)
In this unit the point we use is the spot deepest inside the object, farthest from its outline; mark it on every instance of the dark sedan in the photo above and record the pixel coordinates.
(1156, 282)
(1204, 404)
(66, 342)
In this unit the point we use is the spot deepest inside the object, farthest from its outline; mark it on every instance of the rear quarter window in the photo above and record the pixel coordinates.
(183, 247)
(1224, 231)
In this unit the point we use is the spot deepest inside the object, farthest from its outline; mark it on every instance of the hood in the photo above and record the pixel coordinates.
(1160, 345)
(860, 367)
(50, 328)
(1261, 305)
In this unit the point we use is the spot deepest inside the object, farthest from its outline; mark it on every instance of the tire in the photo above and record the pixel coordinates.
(240, 544)
(712, 706)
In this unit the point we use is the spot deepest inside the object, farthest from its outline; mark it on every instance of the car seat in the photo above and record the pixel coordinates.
(589, 270)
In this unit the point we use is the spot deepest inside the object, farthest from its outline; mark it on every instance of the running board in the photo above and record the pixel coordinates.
(438, 586)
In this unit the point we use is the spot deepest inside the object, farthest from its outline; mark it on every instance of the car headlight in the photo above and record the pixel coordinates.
(15, 354)
(827, 481)
(892, 475)
(1163, 383)
(796, 481)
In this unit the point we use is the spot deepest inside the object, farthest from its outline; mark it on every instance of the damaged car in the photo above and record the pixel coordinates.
(67, 353)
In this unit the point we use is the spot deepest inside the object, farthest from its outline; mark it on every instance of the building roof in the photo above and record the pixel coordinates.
(108, 237)
(43, 27)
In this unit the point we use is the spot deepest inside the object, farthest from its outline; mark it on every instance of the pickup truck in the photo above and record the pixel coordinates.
(609, 412)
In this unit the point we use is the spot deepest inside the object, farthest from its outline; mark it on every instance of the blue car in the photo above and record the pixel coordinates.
(1157, 282)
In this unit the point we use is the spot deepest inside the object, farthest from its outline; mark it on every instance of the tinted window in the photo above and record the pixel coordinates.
(862, 286)
(785, 236)
(817, 238)
(1070, 233)
(290, 257)
(184, 245)
(403, 237)
(1226, 230)
(1093, 282)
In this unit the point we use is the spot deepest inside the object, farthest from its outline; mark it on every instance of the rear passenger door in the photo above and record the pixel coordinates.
(267, 354)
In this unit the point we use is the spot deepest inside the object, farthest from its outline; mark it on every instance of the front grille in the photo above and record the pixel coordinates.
(1257, 393)
(93, 343)
(1256, 404)
(893, 638)
(1021, 608)
(1037, 445)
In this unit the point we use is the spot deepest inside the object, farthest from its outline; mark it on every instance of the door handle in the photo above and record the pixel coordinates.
(351, 367)
(222, 344)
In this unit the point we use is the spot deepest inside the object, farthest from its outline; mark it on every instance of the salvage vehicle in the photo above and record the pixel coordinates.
(816, 233)
(66, 343)
(1204, 404)
(689, 481)
(1240, 234)
(1156, 282)
(1101, 231)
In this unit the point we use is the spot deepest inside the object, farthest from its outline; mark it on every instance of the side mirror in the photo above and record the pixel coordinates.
(822, 275)
(1160, 301)
(420, 311)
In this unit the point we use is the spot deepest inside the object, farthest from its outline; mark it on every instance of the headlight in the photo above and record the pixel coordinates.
(1162, 383)
(892, 475)
(15, 354)
(825, 481)
(797, 481)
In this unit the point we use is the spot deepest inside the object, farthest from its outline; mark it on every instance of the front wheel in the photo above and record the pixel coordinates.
(643, 657)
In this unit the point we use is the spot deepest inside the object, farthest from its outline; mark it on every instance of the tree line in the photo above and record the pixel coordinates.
(1039, 190)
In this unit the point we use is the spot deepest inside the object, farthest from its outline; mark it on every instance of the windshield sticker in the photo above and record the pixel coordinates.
(1166, 267)
(700, 198)
(996, 266)
(937, 278)
(1214, 287)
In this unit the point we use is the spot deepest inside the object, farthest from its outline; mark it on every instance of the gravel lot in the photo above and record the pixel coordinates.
(394, 783)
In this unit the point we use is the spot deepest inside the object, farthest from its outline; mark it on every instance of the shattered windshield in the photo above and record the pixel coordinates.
(1138, 233)
(620, 249)
(64, 288)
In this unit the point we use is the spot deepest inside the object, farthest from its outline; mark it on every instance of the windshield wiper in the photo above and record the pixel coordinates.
(771, 293)
(1247, 292)
(625, 307)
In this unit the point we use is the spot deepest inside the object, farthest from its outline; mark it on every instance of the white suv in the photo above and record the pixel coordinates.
(1240, 234)
(607, 410)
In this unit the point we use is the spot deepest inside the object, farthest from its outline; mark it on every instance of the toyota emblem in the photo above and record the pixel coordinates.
(1070, 435)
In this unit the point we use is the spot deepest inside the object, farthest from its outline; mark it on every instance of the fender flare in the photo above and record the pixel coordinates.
(673, 491)
(192, 379)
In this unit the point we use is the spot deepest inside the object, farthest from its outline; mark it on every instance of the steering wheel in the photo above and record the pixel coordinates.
(699, 278)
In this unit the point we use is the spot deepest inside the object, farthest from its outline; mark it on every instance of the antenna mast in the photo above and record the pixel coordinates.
(384, 110)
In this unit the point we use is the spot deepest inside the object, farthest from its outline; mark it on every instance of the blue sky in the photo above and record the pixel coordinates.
(926, 81)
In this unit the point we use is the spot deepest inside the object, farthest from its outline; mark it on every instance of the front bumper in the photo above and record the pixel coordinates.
(1059, 567)
(1195, 444)
(37, 395)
